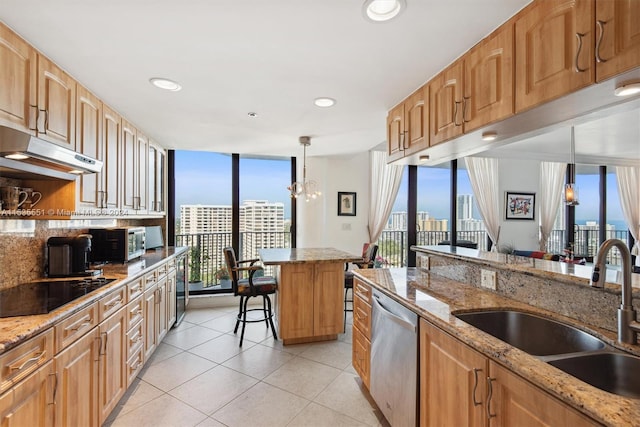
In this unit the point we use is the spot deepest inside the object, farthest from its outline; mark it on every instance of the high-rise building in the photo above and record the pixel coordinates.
(205, 219)
(464, 209)
(261, 226)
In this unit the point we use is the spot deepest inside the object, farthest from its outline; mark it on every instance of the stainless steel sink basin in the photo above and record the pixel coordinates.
(613, 372)
(533, 334)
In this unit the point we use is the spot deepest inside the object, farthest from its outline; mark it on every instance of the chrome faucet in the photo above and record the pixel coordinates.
(628, 326)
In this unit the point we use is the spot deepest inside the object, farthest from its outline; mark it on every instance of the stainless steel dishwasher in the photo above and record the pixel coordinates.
(394, 360)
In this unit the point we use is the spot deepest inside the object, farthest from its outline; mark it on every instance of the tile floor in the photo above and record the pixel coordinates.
(198, 376)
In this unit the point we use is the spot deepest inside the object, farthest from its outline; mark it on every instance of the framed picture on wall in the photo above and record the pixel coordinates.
(346, 204)
(519, 205)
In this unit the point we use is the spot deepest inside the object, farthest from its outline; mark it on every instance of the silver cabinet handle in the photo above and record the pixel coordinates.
(455, 113)
(27, 362)
(475, 386)
(579, 36)
(465, 102)
(35, 129)
(55, 388)
(489, 396)
(600, 24)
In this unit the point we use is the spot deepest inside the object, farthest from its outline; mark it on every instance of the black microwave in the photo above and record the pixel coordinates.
(117, 244)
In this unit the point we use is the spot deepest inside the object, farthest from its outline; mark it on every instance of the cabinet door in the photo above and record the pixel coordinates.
(361, 356)
(395, 133)
(129, 168)
(295, 301)
(77, 377)
(150, 331)
(446, 104)
(516, 402)
(452, 380)
(89, 142)
(142, 173)
(57, 104)
(160, 180)
(161, 310)
(18, 80)
(30, 403)
(152, 179)
(328, 290)
(111, 157)
(113, 363)
(416, 110)
(554, 51)
(488, 80)
(617, 37)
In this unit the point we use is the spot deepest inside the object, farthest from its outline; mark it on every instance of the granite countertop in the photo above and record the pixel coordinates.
(15, 330)
(556, 270)
(305, 255)
(435, 299)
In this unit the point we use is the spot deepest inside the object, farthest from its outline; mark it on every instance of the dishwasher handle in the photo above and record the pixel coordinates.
(393, 317)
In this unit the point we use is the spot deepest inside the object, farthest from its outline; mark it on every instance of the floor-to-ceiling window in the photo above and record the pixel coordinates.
(471, 231)
(434, 195)
(204, 211)
(392, 243)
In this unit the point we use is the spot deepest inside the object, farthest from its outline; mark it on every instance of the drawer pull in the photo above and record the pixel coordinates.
(28, 361)
(80, 326)
(114, 303)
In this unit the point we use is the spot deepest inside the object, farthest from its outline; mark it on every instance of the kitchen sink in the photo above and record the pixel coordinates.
(536, 335)
(612, 372)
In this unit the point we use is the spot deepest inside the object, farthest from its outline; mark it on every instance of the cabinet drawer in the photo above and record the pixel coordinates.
(362, 316)
(150, 279)
(361, 355)
(112, 303)
(362, 290)
(135, 337)
(162, 271)
(134, 365)
(18, 363)
(135, 289)
(74, 327)
(135, 312)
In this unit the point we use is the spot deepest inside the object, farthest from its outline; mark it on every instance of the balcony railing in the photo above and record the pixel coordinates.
(586, 243)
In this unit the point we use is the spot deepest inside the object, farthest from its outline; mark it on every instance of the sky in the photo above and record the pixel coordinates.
(205, 178)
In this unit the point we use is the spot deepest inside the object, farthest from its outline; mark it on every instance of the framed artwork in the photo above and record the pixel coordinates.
(346, 204)
(520, 205)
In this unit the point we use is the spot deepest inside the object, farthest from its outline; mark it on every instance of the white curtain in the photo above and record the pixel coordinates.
(483, 174)
(383, 189)
(552, 177)
(629, 192)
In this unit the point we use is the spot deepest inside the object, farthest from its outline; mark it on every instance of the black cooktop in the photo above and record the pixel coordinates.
(43, 297)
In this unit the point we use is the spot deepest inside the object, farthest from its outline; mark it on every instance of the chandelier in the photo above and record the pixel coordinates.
(571, 189)
(304, 188)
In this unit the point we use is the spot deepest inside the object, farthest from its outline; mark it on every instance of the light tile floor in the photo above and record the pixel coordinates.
(198, 376)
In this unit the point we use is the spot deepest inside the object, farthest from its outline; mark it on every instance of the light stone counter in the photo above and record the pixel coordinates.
(436, 299)
(16, 330)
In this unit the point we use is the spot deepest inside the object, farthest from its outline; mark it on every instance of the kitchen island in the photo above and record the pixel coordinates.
(310, 295)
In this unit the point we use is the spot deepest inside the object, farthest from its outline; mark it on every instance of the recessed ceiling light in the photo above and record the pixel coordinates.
(324, 102)
(423, 158)
(165, 84)
(489, 136)
(628, 88)
(382, 10)
(16, 156)
(252, 114)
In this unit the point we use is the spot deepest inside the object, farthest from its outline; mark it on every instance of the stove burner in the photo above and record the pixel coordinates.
(43, 297)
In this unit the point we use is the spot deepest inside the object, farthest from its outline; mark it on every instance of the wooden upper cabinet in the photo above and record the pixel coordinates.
(111, 156)
(617, 37)
(416, 123)
(395, 133)
(554, 50)
(128, 169)
(446, 104)
(142, 173)
(488, 80)
(18, 77)
(89, 142)
(56, 104)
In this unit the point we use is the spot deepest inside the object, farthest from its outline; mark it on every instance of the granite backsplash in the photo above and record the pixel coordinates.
(23, 243)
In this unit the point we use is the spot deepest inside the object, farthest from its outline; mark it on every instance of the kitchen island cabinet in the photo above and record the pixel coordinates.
(309, 299)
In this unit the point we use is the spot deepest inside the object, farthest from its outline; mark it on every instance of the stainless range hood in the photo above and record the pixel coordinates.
(22, 153)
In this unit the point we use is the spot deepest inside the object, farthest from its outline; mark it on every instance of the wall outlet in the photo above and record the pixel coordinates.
(488, 279)
(346, 226)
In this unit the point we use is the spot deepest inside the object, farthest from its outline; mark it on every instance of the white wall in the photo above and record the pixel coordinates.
(318, 222)
(519, 176)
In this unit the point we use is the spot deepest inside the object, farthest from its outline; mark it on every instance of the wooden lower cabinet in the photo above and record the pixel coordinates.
(30, 403)
(77, 374)
(113, 362)
(452, 380)
(150, 328)
(171, 298)
(361, 347)
(460, 386)
(310, 301)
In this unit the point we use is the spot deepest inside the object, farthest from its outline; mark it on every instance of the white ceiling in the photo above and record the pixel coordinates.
(269, 57)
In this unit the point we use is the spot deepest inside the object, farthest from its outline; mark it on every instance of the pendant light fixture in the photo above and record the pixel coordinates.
(571, 189)
(304, 188)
